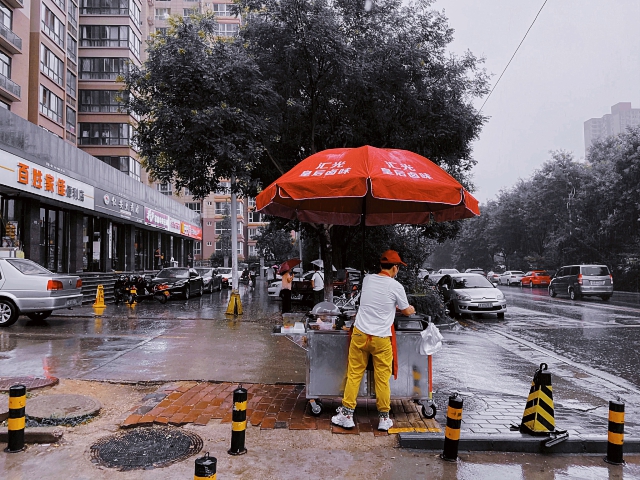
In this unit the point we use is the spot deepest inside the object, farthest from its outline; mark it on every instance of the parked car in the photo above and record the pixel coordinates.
(471, 293)
(581, 281)
(181, 280)
(273, 290)
(536, 278)
(30, 289)
(226, 277)
(447, 271)
(211, 278)
(479, 271)
(510, 277)
(493, 277)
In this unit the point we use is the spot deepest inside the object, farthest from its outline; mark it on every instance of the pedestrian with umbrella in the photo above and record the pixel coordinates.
(287, 283)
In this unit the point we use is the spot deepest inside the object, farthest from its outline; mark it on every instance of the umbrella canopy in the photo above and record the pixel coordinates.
(385, 186)
(288, 265)
(320, 263)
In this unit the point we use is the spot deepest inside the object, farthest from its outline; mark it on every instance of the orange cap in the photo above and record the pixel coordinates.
(391, 256)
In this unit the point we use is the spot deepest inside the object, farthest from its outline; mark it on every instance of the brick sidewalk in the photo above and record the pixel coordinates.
(268, 407)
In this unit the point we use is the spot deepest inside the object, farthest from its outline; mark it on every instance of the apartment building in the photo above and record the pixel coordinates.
(621, 117)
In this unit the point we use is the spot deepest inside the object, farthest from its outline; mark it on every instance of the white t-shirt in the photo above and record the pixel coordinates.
(318, 281)
(380, 295)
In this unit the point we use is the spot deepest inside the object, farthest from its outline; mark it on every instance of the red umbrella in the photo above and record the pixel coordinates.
(288, 265)
(386, 186)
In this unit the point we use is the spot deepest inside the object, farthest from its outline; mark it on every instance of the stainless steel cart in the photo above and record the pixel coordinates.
(327, 352)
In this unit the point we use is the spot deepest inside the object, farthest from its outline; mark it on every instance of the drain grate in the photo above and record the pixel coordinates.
(145, 448)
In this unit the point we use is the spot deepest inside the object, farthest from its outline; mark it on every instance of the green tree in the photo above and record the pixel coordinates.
(203, 108)
(275, 244)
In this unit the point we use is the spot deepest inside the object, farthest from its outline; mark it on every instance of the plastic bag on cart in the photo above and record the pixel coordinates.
(431, 340)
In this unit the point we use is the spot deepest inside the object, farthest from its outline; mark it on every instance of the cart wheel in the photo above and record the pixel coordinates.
(316, 408)
(429, 411)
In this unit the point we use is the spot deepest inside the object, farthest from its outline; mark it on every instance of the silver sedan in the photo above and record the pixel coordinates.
(471, 293)
(27, 288)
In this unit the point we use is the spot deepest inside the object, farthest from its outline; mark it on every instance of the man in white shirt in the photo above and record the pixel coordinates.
(317, 283)
(371, 335)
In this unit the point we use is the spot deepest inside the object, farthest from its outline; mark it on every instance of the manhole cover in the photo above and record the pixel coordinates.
(145, 448)
(30, 382)
(61, 409)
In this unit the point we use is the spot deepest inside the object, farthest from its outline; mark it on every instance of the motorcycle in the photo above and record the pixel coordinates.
(119, 288)
(161, 292)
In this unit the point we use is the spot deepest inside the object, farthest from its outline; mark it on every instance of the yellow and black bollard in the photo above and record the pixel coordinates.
(452, 431)
(616, 434)
(16, 421)
(539, 417)
(205, 467)
(238, 421)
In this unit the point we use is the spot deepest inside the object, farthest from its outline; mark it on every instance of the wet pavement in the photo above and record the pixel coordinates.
(589, 346)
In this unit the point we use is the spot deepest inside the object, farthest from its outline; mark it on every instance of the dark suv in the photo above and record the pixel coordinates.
(581, 281)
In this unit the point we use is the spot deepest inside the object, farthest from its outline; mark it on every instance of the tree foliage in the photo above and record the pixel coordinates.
(203, 108)
(566, 212)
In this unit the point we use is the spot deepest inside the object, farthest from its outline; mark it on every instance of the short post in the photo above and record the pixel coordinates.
(16, 421)
(452, 431)
(615, 434)
(238, 421)
(99, 297)
(205, 467)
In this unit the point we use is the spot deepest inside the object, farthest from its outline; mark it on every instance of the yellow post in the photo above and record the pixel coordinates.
(235, 305)
(99, 297)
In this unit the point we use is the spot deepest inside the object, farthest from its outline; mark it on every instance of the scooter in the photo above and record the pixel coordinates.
(161, 292)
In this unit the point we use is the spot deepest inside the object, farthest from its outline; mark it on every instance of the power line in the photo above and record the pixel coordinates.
(514, 54)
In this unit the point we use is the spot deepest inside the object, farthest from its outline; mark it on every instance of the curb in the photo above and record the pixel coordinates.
(517, 443)
(35, 435)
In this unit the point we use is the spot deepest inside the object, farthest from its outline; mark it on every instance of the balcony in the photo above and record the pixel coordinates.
(9, 89)
(14, 3)
(9, 40)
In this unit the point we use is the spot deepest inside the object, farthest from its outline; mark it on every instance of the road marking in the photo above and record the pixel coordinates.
(617, 381)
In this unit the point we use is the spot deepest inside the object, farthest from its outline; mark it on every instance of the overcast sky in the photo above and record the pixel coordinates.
(580, 58)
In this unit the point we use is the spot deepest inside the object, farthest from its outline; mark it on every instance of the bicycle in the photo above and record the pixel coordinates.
(346, 303)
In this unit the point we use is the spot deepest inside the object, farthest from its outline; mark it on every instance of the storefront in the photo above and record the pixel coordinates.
(70, 212)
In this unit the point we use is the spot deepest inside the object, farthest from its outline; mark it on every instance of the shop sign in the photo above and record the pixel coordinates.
(119, 205)
(156, 219)
(45, 182)
(174, 225)
(191, 231)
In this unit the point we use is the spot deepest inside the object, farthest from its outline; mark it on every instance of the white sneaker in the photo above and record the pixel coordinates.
(385, 424)
(342, 420)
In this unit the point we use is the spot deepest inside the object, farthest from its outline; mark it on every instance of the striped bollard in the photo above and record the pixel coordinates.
(205, 467)
(615, 434)
(452, 431)
(238, 421)
(16, 421)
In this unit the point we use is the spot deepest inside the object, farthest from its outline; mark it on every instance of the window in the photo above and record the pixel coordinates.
(6, 16)
(127, 165)
(224, 187)
(102, 68)
(134, 12)
(50, 105)
(106, 7)
(252, 232)
(228, 29)
(71, 120)
(72, 13)
(51, 65)
(5, 65)
(255, 217)
(134, 168)
(162, 30)
(162, 13)
(72, 81)
(105, 133)
(187, 12)
(220, 230)
(208, 224)
(72, 49)
(222, 9)
(197, 248)
(59, 3)
(251, 202)
(164, 188)
(209, 203)
(208, 244)
(52, 26)
(100, 101)
(195, 206)
(252, 251)
(223, 208)
(104, 35)
(240, 248)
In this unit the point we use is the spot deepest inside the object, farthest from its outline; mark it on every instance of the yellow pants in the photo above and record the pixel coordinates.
(363, 345)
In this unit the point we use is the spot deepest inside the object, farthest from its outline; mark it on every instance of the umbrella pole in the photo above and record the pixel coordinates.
(364, 237)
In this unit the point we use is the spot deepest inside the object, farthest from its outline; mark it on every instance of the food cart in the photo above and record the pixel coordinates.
(327, 345)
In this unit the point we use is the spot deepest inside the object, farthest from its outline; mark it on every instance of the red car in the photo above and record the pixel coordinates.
(536, 278)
